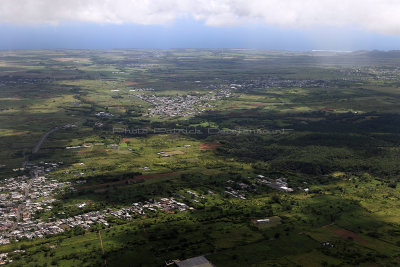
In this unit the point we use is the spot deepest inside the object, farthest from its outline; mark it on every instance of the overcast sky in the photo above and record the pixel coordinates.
(268, 24)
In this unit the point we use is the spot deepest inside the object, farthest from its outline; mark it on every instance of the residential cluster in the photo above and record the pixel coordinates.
(182, 106)
(367, 73)
(22, 197)
(10, 80)
(82, 146)
(83, 220)
(279, 184)
(175, 106)
(268, 82)
(139, 208)
(164, 204)
(144, 65)
(238, 190)
(194, 195)
(104, 114)
(141, 90)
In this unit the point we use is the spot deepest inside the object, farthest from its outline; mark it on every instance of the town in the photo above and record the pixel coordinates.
(182, 106)
(21, 198)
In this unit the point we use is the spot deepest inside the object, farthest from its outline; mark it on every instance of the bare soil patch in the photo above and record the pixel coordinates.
(235, 106)
(131, 83)
(18, 133)
(350, 235)
(205, 147)
(346, 234)
(5, 64)
(124, 140)
(327, 109)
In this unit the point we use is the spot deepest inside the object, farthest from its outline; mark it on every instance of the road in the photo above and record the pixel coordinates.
(39, 144)
(102, 248)
(33, 174)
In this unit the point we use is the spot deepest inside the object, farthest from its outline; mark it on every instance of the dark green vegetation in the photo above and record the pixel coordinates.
(327, 122)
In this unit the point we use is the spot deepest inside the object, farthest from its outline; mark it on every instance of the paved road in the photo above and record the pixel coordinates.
(39, 144)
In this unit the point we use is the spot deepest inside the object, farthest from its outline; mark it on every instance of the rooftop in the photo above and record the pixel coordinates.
(200, 261)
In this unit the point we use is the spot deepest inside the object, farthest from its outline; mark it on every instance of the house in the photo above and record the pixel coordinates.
(200, 261)
(286, 189)
(327, 244)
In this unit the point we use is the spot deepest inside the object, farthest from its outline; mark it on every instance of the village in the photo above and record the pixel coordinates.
(11, 80)
(274, 82)
(190, 105)
(22, 197)
(182, 106)
(238, 190)
(280, 184)
(241, 190)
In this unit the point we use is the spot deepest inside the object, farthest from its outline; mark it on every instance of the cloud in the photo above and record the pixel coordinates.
(373, 15)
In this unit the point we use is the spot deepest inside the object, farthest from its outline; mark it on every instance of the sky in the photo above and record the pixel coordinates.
(344, 25)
